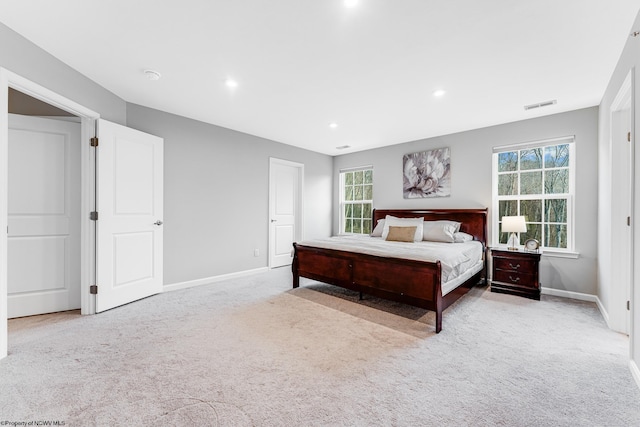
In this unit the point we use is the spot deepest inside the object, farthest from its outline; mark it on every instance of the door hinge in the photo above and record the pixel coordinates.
(629, 221)
(628, 305)
(629, 136)
(93, 216)
(93, 289)
(94, 141)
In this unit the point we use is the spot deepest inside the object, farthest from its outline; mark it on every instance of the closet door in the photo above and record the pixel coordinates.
(44, 223)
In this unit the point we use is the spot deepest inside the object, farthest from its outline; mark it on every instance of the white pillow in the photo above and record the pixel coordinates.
(403, 222)
(461, 237)
(438, 231)
(377, 231)
(454, 224)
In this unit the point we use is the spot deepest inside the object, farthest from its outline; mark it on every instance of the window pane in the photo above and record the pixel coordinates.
(555, 236)
(348, 193)
(531, 159)
(366, 210)
(531, 210)
(556, 181)
(357, 192)
(531, 183)
(357, 210)
(348, 226)
(534, 231)
(507, 208)
(368, 176)
(508, 162)
(556, 210)
(507, 184)
(348, 211)
(348, 178)
(368, 192)
(357, 226)
(366, 226)
(358, 177)
(556, 156)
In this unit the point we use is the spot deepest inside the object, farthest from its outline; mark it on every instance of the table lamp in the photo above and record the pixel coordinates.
(513, 225)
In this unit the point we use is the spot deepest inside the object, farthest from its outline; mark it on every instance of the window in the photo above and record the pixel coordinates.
(536, 181)
(356, 200)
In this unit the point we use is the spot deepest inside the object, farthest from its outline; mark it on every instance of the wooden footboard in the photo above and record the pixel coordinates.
(417, 283)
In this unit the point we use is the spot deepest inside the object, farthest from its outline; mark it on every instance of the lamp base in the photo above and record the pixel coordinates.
(513, 241)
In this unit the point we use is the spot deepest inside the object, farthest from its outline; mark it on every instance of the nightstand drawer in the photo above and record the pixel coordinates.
(515, 264)
(514, 278)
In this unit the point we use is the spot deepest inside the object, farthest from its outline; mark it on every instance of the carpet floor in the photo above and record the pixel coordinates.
(253, 352)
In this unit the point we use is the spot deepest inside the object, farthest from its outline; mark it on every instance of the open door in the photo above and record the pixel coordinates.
(129, 205)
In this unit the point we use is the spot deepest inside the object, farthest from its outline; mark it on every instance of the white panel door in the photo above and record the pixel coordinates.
(284, 204)
(130, 211)
(44, 222)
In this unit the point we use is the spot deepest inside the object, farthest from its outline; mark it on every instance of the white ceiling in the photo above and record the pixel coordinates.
(372, 69)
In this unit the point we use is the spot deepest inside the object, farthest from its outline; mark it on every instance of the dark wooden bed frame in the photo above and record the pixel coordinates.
(416, 283)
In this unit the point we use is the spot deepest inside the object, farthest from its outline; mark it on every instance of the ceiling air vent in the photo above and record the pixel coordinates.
(342, 147)
(539, 104)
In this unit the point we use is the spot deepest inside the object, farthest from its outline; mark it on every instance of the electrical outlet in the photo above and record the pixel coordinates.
(256, 252)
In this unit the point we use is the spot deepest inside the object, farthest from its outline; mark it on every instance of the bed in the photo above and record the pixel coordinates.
(404, 278)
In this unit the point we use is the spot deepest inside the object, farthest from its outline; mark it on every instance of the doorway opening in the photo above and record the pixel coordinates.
(11, 81)
(43, 208)
(622, 196)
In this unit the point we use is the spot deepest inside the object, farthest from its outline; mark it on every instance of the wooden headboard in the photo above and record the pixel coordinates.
(474, 221)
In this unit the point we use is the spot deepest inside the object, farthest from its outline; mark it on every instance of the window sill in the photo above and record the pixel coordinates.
(560, 254)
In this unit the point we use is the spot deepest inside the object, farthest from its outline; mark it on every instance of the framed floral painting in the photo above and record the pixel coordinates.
(427, 174)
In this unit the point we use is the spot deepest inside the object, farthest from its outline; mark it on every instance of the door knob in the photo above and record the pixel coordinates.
(274, 220)
(158, 222)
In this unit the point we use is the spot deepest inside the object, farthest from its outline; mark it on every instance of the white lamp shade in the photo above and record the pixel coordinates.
(513, 224)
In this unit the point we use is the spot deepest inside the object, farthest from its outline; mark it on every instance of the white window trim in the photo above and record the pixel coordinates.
(570, 251)
(341, 201)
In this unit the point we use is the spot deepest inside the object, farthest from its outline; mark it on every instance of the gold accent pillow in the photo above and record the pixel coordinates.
(401, 234)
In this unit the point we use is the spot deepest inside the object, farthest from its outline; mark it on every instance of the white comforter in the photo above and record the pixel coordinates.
(455, 258)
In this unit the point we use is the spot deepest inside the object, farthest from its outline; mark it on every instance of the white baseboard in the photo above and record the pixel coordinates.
(213, 279)
(569, 294)
(603, 311)
(579, 296)
(635, 372)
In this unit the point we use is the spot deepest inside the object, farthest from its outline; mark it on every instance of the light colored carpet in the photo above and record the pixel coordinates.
(254, 352)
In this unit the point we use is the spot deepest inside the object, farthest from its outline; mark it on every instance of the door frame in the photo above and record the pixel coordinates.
(621, 113)
(87, 116)
(299, 205)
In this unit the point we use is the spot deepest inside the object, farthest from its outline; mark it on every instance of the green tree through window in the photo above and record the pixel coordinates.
(356, 201)
(535, 181)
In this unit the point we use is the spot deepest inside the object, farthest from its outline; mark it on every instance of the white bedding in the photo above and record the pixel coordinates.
(458, 260)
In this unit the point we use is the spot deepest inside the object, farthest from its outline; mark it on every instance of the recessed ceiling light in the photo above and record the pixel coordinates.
(350, 3)
(333, 125)
(438, 93)
(152, 75)
(231, 83)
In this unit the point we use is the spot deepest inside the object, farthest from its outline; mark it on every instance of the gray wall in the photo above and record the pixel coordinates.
(22, 57)
(471, 160)
(216, 194)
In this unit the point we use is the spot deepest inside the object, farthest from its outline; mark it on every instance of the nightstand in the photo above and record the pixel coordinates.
(516, 273)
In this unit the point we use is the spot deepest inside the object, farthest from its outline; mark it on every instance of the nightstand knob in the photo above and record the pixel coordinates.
(517, 279)
(515, 267)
